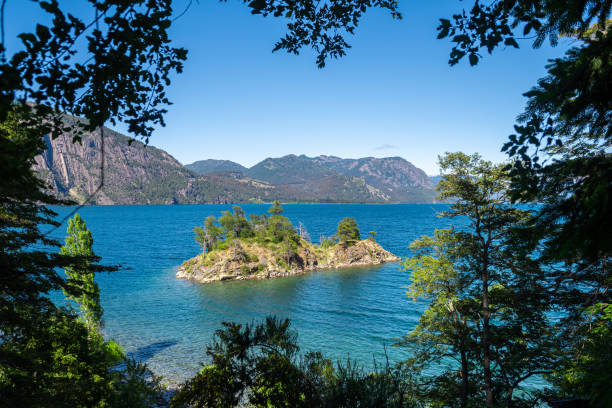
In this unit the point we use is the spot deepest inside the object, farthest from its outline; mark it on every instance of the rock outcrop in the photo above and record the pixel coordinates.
(250, 260)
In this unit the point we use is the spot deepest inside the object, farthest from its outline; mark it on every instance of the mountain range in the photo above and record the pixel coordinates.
(135, 173)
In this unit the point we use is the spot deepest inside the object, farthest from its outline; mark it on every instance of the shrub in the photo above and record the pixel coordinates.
(260, 364)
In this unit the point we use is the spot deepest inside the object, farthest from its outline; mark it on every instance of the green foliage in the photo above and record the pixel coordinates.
(488, 26)
(261, 364)
(288, 251)
(49, 357)
(208, 236)
(561, 159)
(264, 229)
(235, 225)
(589, 372)
(327, 243)
(562, 152)
(79, 243)
(280, 229)
(372, 236)
(348, 232)
(276, 208)
(487, 300)
(134, 386)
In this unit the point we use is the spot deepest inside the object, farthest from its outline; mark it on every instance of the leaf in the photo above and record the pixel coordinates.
(473, 59)
(511, 41)
(257, 6)
(42, 32)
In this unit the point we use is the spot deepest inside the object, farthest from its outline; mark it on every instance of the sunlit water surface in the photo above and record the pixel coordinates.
(168, 322)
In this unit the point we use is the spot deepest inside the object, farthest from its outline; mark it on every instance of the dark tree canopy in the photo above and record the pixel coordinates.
(112, 68)
(321, 25)
(562, 151)
(260, 364)
(503, 22)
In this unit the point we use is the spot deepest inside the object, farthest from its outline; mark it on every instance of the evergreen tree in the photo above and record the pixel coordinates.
(79, 242)
(234, 224)
(276, 208)
(348, 232)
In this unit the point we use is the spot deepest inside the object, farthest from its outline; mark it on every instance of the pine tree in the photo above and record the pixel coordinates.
(348, 232)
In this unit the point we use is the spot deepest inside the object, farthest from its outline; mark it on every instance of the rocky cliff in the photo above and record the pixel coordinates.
(135, 173)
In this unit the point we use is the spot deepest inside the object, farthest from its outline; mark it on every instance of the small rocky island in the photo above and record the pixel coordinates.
(269, 246)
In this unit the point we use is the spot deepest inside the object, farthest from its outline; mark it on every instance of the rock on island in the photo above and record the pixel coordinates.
(269, 246)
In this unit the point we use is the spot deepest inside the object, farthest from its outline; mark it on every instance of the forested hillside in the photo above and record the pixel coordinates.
(135, 173)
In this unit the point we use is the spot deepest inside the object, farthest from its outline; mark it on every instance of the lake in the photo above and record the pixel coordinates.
(167, 322)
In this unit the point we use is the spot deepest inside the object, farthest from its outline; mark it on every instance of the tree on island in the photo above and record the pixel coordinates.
(234, 225)
(276, 208)
(208, 236)
(348, 232)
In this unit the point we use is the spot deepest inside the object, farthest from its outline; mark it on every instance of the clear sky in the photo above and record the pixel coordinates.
(392, 95)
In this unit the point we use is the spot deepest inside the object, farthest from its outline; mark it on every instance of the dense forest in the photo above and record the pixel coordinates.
(491, 287)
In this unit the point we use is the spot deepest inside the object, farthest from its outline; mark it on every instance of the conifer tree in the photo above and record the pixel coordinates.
(348, 232)
(79, 242)
(276, 208)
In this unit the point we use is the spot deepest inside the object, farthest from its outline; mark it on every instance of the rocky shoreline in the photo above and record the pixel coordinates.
(250, 260)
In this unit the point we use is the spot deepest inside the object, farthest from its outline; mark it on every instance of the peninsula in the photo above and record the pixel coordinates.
(269, 246)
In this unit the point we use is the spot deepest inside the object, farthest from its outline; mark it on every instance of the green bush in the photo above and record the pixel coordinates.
(260, 364)
(327, 243)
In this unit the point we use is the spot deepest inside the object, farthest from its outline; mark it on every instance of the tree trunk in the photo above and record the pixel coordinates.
(464, 376)
(486, 348)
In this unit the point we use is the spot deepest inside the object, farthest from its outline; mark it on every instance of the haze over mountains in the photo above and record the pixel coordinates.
(139, 174)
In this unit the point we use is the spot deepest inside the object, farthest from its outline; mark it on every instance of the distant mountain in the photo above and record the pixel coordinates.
(435, 179)
(134, 174)
(290, 169)
(391, 179)
(394, 176)
(213, 166)
(139, 174)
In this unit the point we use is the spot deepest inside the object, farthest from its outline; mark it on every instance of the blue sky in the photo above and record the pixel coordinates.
(392, 95)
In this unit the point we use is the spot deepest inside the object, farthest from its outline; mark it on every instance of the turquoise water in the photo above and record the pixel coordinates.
(168, 322)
